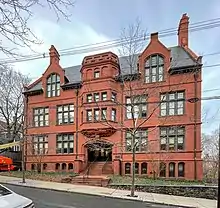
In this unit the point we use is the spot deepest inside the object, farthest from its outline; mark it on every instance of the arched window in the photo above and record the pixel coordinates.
(53, 85)
(144, 168)
(63, 166)
(181, 169)
(70, 166)
(172, 169)
(33, 167)
(136, 168)
(44, 166)
(127, 168)
(57, 166)
(154, 69)
(162, 169)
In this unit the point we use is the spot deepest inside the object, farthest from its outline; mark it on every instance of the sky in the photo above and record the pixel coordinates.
(99, 21)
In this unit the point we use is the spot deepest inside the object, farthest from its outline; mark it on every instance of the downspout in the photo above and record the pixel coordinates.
(77, 121)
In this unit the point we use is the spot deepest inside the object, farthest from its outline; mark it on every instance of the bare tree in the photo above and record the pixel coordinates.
(15, 15)
(12, 101)
(210, 154)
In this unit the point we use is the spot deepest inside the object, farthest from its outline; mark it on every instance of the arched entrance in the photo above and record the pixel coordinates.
(99, 150)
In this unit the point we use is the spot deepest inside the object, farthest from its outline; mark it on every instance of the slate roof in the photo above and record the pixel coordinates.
(180, 58)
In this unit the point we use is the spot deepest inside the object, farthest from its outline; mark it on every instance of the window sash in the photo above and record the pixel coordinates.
(40, 145)
(141, 141)
(172, 103)
(139, 104)
(103, 114)
(89, 115)
(53, 85)
(154, 69)
(113, 114)
(41, 117)
(65, 144)
(104, 96)
(172, 138)
(65, 114)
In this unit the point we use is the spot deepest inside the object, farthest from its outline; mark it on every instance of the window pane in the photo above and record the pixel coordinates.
(71, 107)
(160, 77)
(153, 60)
(180, 111)
(154, 78)
(147, 72)
(147, 79)
(171, 96)
(171, 112)
(154, 71)
(163, 97)
(163, 141)
(160, 60)
(147, 63)
(65, 107)
(180, 139)
(163, 106)
(180, 95)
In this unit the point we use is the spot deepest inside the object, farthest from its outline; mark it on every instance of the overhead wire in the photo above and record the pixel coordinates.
(109, 44)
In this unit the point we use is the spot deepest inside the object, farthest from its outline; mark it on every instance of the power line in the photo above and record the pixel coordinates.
(164, 33)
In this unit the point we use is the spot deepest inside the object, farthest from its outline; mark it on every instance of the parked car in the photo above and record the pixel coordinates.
(9, 199)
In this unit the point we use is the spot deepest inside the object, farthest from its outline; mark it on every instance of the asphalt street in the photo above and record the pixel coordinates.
(54, 199)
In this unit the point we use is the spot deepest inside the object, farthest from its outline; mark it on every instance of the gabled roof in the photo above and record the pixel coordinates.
(179, 58)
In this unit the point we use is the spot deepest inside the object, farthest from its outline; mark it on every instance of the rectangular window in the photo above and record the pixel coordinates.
(104, 113)
(89, 98)
(136, 106)
(140, 141)
(172, 138)
(114, 95)
(96, 74)
(96, 114)
(96, 97)
(104, 96)
(40, 145)
(89, 115)
(41, 116)
(113, 114)
(172, 103)
(65, 143)
(65, 114)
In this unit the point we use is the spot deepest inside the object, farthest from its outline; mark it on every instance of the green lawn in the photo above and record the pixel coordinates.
(44, 176)
(127, 180)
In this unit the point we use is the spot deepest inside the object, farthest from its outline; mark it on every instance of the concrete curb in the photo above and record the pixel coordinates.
(100, 195)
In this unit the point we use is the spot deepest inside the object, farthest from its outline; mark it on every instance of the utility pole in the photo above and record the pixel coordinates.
(24, 135)
(218, 203)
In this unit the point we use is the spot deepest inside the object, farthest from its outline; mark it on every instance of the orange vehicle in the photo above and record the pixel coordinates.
(6, 164)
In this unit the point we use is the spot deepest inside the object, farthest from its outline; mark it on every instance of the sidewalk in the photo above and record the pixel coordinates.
(107, 192)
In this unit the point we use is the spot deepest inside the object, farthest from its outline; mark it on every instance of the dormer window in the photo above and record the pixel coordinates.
(53, 85)
(154, 69)
(96, 74)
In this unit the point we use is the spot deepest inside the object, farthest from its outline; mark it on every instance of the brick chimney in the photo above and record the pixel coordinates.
(183, 31)
(154, 36)
(54, 55)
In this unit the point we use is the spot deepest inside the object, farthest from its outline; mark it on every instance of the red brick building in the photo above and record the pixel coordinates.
(79, 117)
